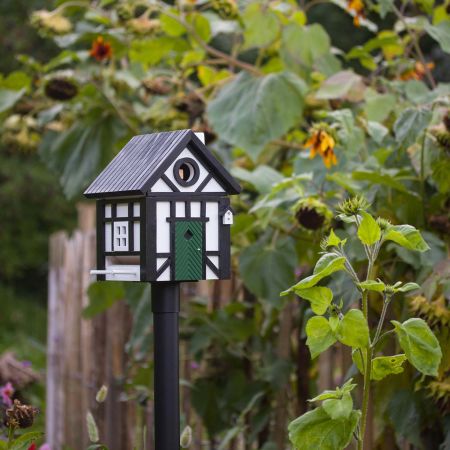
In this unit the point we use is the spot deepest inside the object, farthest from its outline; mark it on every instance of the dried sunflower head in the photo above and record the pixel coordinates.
(20, 416)
(60, 89)
(312, 214)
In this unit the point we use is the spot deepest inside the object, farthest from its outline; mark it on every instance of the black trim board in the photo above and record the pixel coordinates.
(100, 213)
(150, 239)
(163, 267)
(169, 183)
(203, 184)
(224, 243)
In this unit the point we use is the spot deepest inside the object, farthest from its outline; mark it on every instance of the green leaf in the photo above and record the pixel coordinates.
(267, 269)
(382, 366)
(334, 322)
(407, 412)
(350, 135)
(101, 395)
(339, 408)
(372, 285)
(327, 264)
(170, 25)
(378, 106)
(440, 33)
(441, 169)
(249, 112)
(342, 85)
(8, 98)
(102, 295)
(82, 151)
(386, 6)
(364, 57)
(377, 131)
(15, 81)
(92, 427)
(149, 52)
(320, 297)
(320, 335)
(301, 46)
(353, 330)
(316, 430)
(261, 26)
(407, 236)
(420, 345)
(201, 25)
(378, 178)
(369, 231)
(263, 178)
(333, 240)
(348, 386)
(25, 440)
(408, 287)
(186, 437)
(410, 124)
(418, 92)
(359, 358)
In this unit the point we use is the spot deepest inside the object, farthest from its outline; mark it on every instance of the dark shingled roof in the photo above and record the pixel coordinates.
(146, 157)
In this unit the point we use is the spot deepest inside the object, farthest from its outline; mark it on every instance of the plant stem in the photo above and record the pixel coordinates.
(369, 354)
(366, 397)
(386, 302)
(10, 437)
(422, 176)
(386, 333)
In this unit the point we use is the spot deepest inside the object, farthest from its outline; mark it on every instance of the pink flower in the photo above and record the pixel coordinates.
(6, 393)
(195, 365)
(45, 447)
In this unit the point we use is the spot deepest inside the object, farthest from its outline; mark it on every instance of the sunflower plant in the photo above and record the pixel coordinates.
(336, 422)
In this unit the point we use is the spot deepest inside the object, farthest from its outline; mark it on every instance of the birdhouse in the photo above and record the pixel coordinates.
(163, 211)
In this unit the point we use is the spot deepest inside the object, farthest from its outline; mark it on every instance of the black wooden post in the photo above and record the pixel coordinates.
(165, 307)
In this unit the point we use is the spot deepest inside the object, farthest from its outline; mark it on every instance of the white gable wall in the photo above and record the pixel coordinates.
(212, 186)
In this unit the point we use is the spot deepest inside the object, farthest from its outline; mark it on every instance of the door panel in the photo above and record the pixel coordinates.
(188, 250)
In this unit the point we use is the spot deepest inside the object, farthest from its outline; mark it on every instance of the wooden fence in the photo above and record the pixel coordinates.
(85, 354)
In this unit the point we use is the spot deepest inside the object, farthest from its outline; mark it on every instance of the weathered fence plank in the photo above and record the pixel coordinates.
(83, 354)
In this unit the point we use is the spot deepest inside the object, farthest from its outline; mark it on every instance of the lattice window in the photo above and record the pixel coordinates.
(121, 236)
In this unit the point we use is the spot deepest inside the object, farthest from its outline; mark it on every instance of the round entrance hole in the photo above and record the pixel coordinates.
(186, 172)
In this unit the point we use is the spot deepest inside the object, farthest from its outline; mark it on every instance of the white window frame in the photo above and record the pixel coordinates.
(121, 236)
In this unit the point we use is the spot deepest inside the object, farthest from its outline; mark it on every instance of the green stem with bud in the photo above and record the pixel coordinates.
(368, 360)
(10, 437)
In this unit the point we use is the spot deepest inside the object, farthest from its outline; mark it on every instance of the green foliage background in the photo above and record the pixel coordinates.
(256, 77)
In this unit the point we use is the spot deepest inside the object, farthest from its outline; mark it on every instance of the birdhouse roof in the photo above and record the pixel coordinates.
(145, 158)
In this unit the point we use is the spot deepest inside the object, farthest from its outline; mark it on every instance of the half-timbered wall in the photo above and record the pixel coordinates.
(205, 210)
(119, 239)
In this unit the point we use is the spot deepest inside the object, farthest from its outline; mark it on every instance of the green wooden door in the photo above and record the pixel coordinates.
(188, 250)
